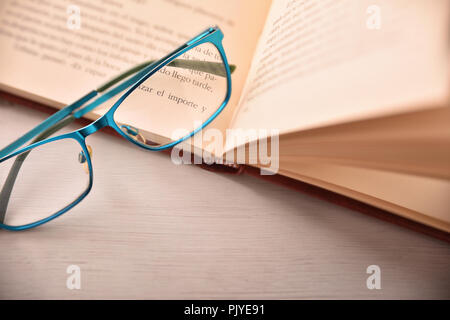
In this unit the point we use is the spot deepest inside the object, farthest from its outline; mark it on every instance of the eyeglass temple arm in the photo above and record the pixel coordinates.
(141, 69)
(205, 66)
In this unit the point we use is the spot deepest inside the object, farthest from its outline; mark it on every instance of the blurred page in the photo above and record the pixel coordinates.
(50, 56)
(326, 62)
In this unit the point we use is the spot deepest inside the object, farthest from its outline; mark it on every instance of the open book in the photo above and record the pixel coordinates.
(358, 89)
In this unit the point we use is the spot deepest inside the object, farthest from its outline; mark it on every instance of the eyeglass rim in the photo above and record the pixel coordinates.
(212, 35)
(75, 135)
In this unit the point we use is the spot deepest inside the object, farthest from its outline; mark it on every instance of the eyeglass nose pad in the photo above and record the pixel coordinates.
(130, 130)
(83, 160)
(133, 132)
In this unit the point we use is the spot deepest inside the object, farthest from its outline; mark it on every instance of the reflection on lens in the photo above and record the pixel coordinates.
(36, 184)
(177, 99)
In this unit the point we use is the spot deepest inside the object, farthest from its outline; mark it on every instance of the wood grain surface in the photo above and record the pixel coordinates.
(152, 230)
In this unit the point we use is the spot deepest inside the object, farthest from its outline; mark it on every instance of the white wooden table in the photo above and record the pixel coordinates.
(151, 229)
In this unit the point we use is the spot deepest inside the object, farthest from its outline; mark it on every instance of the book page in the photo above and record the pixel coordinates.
(325, 62)
(415, 143)
(49, 56)
(423, 199)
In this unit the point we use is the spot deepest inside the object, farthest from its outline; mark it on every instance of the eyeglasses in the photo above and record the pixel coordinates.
(169, 100)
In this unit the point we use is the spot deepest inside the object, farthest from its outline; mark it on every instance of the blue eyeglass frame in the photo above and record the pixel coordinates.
(212, 35)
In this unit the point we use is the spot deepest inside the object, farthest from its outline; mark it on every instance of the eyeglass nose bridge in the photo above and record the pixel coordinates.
(94, 127)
